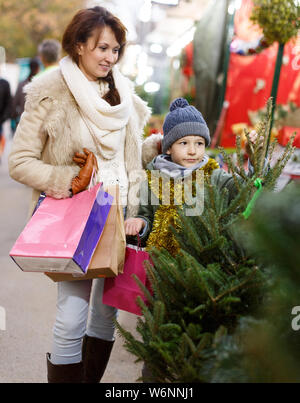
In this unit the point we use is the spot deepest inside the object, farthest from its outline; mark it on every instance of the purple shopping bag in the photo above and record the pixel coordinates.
(122, 291)
(62, 235)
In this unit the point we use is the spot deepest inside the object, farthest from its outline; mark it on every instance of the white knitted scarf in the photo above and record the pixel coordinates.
(103, 120)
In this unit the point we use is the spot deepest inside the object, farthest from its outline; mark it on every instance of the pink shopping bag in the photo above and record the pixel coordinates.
(122, 291)
(62, 234)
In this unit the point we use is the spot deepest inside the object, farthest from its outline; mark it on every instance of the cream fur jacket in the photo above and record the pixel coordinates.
(48, 136)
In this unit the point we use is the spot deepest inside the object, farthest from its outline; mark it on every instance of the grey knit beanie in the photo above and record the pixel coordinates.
(183, 120)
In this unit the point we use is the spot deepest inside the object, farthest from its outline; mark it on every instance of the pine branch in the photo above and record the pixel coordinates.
(240, 158)
(159, 260)
(266, 133)
(211, 194)
(239, 200)
(277, 169)
(237, 286)
(231, 167)
(147, 294)
(272, 147)
(214, 227)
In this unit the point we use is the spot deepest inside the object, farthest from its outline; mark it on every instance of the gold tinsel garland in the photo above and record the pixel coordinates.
(167, 214)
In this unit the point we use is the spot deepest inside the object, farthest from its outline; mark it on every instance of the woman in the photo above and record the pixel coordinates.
(81, 117)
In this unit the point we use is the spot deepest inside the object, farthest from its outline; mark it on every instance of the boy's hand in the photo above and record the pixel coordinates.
(133, 225)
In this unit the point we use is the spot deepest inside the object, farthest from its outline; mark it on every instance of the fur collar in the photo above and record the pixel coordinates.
(49, 85)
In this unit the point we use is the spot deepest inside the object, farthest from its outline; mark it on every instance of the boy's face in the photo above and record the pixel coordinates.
(187, 151)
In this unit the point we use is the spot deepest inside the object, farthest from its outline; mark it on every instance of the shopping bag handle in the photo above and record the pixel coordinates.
(92, 180)
(139, 240)
(136, 246)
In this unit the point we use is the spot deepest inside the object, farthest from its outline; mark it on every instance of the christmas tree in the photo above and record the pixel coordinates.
(265, 345)
(200, 296)
(270, 344)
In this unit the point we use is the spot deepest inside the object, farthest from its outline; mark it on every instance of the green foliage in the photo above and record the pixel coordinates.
(191, 328)
(262, 155)
(24, 24)
(269, 347)
(279, 19)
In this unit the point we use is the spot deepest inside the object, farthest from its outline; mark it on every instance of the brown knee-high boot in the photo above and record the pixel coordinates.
(95, 356)
(65, 373)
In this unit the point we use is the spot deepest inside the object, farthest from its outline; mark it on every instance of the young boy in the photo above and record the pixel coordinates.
(183, 155)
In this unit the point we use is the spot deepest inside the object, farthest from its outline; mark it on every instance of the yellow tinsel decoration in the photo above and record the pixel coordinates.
(167, 215)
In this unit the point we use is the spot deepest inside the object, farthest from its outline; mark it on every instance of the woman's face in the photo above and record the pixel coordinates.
(96, 58)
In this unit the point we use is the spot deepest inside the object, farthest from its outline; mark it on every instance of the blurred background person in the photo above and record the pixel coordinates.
(5, 108)
(18, 101)
(49, 52)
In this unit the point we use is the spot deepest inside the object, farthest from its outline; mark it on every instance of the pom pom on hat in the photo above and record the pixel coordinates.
(183, 120)
(178, 103)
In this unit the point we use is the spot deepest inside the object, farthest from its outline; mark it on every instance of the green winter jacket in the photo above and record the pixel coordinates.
(150, 202)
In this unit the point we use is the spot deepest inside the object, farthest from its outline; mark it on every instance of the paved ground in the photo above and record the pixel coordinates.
(29, 301)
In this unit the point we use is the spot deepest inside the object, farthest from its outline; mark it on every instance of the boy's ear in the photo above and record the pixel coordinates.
(168, 152)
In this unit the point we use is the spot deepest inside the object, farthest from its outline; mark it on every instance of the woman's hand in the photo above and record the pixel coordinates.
(80, 159)
(88, 164)
(134, 225)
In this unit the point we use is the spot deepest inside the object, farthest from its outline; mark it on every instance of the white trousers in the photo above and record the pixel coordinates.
(80, 311)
